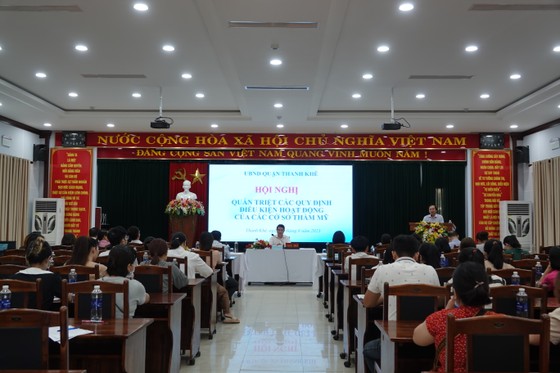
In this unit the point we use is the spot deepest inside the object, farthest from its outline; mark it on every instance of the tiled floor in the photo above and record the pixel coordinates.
(283, 329)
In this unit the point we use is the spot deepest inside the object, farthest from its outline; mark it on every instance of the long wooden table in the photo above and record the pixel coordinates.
(114, 346)
(365, 330)
(163, 352)
(350, 288)
(190, 320)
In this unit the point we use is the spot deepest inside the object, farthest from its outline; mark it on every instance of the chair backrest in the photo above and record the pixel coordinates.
(526, 276)
(82, 297)
(7, 270)
(445, 274)
(508, 258)
(102, 259)
(452, 258)
(503, 299)
(379, 250)
(84, 273)
(528, 263)
(25, 294)
(344, 255)
(13, 259)
(24, 338)
(61, 247)
(366, 275)
(182, 263)
(60, 260)
(206, 256)
(414, 301)
(19, 252)
(152, 277)
(135, 245)
(355, 266)
(532, 256)
(334, 251)
(545, 249)
(221, 250)
(62, 252)
(498, 343)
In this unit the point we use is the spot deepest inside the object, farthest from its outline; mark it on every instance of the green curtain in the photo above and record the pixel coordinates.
(133, 192)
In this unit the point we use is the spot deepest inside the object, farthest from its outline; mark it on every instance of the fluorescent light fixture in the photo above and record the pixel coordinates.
(514, 126)
(555, 49)
(343, 125)
(47, 124)
(81, 48)
(186, 76)
(420, 96)
(278, 105)
(40, 75)
(136, 95)
(356, 95)
(471, 48)
(168, 48)
(110, 125)
(141, 7)
(450, 125)
(406, 7)
(214, 125)
(199, 95)
(276, 62)
(515, 76)
(72, 94)
(484, 96)
(279, 125)
(383, 48)
(367, 76)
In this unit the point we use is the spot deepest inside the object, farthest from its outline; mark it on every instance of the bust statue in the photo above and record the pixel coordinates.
(186, 193)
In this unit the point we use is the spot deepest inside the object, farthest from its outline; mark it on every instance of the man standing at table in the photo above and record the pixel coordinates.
(280, 238)
(433, 216)
(405, 270)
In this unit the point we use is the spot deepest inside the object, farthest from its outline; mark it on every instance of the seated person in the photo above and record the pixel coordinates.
(39, 256)
(534, 339)
(359, 246)
(217, 235)
(454, 241)
(93, 232)
(120, 265)
(338, 237)
(158, 251)
(471, 294)
(85, 253)
(481, 238)
(513, 247)
(472, 254)
(117, 236)
(280, 239)
(429, 254)
(133, 233)
(495, 255)
(442, 243)
(186, 193)
(69, 239)
(224, 302)
(195, 263)
(102, 239)
(551, 272)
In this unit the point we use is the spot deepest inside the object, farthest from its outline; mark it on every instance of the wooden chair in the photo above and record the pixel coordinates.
(508, 258)
(84, 273)
(82, 297)
(13, 259)
(532, 256)
(102, 259)
(379, 251)
(414, 301)
(503, 299)
(445, 274)
(355, 266)
(529, 263)
(62, 252)
(344, 255)
(452, 258)
(546, 249)
(367, 274)
(334, 251)
(182, 263)
(25, 294)
(526, 276)
(7, 270)
(498, 343)
(135, 245)
(206, 256)
(18, 252)
(221, 250)
(61, 247)
(24, 337)
(60, 260)
(152, 277)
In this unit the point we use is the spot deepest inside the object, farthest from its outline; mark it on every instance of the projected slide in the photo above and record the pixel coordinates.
(247, 202)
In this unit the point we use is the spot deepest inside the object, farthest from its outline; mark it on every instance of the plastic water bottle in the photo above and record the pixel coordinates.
(538, 271)
(515, 279)
(442, 261)
(96, 304)
(72, 276)
(537, 257)
(522, 303)
(145, 258)
(235, 247)
(5, 298)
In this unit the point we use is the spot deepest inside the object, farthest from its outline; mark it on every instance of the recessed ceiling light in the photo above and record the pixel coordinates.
(471, 48)
(450, 125)
(558, 106)
(110, 125)
(367, 76)
(141, 7)
(81, 48)
(136, 95)
(484, 96)
(406, 7)
(41, 75)
(515, 76)
(0, 104)
(514, 126)
(555, 49)
(72, 94)
(356, 95)
(280, 125)
(343, 125)
(168, 48)
(0, 47)
(47, 124)
(276, 62)
(420, 96)
(383, 48)
(214, 125)
(278, 105)
(186, 76)
(199, 95)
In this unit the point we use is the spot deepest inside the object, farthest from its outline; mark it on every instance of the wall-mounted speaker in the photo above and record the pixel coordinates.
(522, 154)
(39, 153)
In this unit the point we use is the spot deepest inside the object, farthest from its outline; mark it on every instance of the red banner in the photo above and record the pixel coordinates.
(491, 183)
(284, 141)
(71, 179)
(284, 154)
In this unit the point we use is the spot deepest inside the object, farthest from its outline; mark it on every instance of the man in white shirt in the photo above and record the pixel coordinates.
(405, 270)
(194, 261)
(359, 244)
(433, 216)
(280, 239)
(217, 243)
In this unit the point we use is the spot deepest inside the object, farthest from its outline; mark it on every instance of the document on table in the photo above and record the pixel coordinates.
(54, 332)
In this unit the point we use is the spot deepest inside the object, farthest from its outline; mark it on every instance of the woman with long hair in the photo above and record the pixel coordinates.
(158, 251)
(85, 253)
(495, 255)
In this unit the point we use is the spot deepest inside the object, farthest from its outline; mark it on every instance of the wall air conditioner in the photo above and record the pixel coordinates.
(516, 218)
(48, 218)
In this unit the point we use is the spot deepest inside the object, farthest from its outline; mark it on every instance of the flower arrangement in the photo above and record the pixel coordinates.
(184, 207)
(259, 244)
(430, 231)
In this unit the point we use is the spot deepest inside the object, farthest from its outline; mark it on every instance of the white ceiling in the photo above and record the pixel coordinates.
(329, 59)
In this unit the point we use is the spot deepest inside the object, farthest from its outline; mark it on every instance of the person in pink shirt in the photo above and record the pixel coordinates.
(549, 275)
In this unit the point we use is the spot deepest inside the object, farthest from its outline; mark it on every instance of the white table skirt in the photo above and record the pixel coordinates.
(289, 265)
